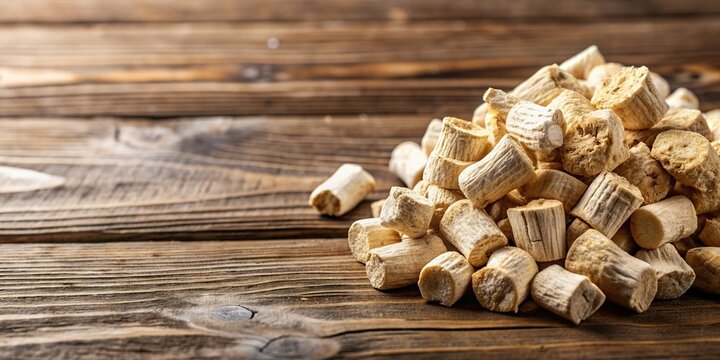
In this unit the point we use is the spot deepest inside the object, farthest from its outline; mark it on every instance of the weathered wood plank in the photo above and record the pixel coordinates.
(291, 298)
(324, 10)
(431, 67)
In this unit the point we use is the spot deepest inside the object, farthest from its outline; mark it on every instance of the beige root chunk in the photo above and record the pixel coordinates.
(632, 96)
(471, 231)
(713, 120)
(376, 207)
(593, 144)
(445, 279)
(407, 212)
(498, 209)
(499, 103)
(442, 199)
(581, 63)
(683, 98)
(625, 280)
(367, 234)
(399, 265)
(705, 261)
(572, 296)
(461, 140)
(539, 229)
(710, 234)
(444, 172)
(554, 184)
(643, 171)
(573, 106)
(686, 244)
(342, 191)
(600, 73)
(663, 222)
(505, 168)
(674, 275)
(506, 228)
(422, 187)
(576, 228)
(622, 238)
(407, 162)
(689, 158)
(537, 127)
(716, 146)
(661, 85)
(674, 119)
(495, 128)
(503, 284)
(432, 133)
(703, 201)
(608, 202)
(479, 114)
(546, 84)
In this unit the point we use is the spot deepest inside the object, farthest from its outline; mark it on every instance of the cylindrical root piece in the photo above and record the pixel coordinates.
(539, 229)
(471, 231)
(663, 222)
(442, 199)
(683, 98)
(713, 120)
(504, 283)
(608, 202)
(340, 193)
(445, 279)
(407, 212)
(407, 162)
(376, 207)
(581, 63)
(705, 261)
(625, 280)
(674, 119)
(537, 127)
(632, 96)
(432, 133)
(710, 234)
(573, 106)
(661, 85)
(703, 201)
(461, 140)
(546, 84)
(495, 128)
(593, 144)
(554, 184)
(479, 114)
(674, 275)
(367, 234)
(399, 265)
(572, 296)
(623, 238)
(600, 73)
(576, 228)
(689, 158)
(499, 103)
(505, 168)
(444, 172)
(643, 171)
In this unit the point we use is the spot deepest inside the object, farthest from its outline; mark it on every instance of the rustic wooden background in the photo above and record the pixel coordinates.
(189, 134)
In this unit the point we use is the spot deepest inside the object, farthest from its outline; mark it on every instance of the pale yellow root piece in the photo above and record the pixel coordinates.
(710, 234)
(703, 201)
(608, 202)
(554, 184)
(689, 158)
(479, 114)
(432, 133)
(632, 96)
(445, 279)
(407, 162)
(495, 128)
(461, 140)
(593, 144)
(571, 296)
(471, 231)
(674, 275)
(399, 265)
(505, 168)
(498, 209)
(546, 84)
(705, 261)
(674, 119)
(581, 63)
(663, 222)
(713, 120)
(536, 127)
(444, 172)
(622, 238)
(499, 103)
(376, 207)
(539, 229)
(407, 212)
(504, 283)
(625, 280)
(340, 193)
(367, 234)
(683, 98)
(661, 85)
(576, 228)
(442, 199)
(600, 73)
(573, 106)
(646, 173)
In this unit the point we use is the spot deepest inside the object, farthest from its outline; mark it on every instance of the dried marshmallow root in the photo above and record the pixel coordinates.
(432, 133)
(674, 119)
(689, 158)
(340, 193)
(663, 222)
(479, 114)
(643, 171)
(444, 172)
(536, 127)
(505, 168)
(600, 73)
(506, 228)
(632, 96)
(546, 84)
(571, 296)
(686, 244)
(581, 63)
(376, 207)
(625, 280)
(499, 103)
(608, 202)
(593, 144)
(495, 128)
(683, 98)
(442, 199)
(367, 234)
(573, 106)
(503, 284)
(407, 162)
(445, 279)
(705, 261)
(471, 231)
(703, 201)
(461, 140)
(407, 212)
(399, 265)
(554, 184)
(576, 228)
(539, 229)
(661, 85)
(674, 275)
(623, 238)
(713, 120)
(710, 234)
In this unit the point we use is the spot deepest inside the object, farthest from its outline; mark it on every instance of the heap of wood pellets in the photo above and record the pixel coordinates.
(589, 171)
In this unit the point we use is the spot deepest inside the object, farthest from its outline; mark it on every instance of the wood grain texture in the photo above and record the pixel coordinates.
(291, 298)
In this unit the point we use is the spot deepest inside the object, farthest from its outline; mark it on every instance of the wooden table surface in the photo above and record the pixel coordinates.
(190, 133)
